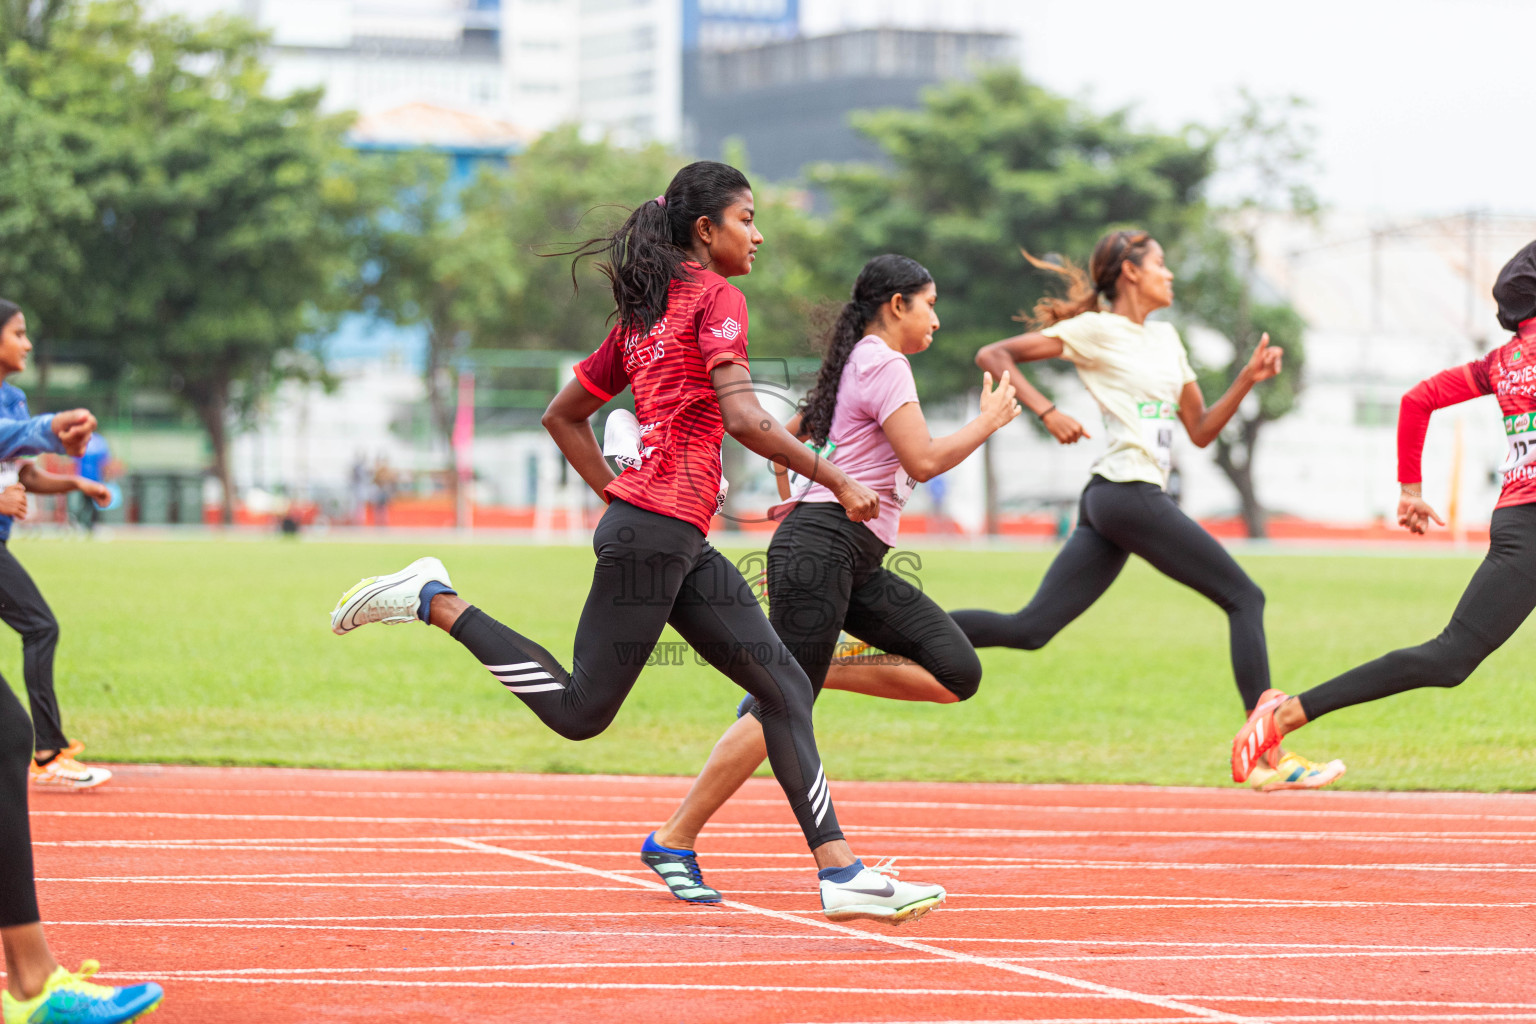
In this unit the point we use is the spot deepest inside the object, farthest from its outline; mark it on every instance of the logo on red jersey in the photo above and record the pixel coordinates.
(728, 329)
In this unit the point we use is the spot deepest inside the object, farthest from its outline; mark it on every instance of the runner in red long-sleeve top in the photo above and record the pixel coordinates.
(1502, 593)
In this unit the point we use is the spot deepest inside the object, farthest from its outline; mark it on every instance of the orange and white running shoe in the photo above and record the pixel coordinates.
(1296, 772)
(1258, 736)
(64, 772)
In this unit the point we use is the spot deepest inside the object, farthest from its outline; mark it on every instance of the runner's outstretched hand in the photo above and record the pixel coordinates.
(858, 501)
(74, 429)
(96, 491)
(1414, 513)
(998, 405)
(13, 502)
(1265, 361)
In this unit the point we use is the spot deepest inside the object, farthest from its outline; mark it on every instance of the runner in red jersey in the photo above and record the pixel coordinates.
(1502, 593)
(669, 369)
(681, 343)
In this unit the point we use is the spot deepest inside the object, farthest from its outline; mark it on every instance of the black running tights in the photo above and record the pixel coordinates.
(23, 609)
(18, 890)
(1115, 521)
(1499, 598)
(654, 570)
(826, 574)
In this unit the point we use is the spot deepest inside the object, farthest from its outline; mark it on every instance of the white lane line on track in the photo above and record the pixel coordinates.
(278, 922)
(909, 944)
(312, 874)
(1122, 902)
(213, 845)
(966, 863)
(852, 803)
(1096, 958)
(772, 831)
(339, 885)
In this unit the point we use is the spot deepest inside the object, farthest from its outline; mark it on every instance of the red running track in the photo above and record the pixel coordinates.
(260, 895)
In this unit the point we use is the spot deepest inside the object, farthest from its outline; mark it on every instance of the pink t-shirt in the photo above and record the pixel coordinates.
(877, 380)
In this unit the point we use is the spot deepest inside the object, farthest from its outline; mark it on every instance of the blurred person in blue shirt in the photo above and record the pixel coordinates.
(21, 604)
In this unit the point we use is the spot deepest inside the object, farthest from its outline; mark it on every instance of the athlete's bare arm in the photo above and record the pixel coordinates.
(1004, 356)
(748, 422)
(1202, 424)
(780, 473)
(39, 481)
(569, 421)
(924, 456)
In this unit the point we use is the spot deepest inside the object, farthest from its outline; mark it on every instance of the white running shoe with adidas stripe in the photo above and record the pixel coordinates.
(389, 599)
(876, 894)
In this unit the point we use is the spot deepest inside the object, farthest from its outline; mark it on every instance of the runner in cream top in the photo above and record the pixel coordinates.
(1136, 373)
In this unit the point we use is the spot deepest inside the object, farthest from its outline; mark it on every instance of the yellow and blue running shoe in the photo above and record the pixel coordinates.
(1295, 772)
(68, 998)
(678, 868)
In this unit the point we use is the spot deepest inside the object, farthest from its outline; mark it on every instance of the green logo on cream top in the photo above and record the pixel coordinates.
(1135, 372)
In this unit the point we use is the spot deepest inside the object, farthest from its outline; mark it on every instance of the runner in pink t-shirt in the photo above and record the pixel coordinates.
(826, 573)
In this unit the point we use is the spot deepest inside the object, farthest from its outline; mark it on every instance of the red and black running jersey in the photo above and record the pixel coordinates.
(680, 424)
(1509, 372)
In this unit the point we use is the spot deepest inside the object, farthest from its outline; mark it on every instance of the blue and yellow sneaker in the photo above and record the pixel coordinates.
(679, 869)
(1295, 772)
(68, 998)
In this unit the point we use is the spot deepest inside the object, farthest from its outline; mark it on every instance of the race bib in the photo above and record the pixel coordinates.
(798, 484)
(1521, 430)
(904, 486)
(10, 472)
(1157, 420)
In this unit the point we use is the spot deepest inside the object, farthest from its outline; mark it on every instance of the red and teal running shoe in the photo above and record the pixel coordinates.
(1258, 736)
(68, 998)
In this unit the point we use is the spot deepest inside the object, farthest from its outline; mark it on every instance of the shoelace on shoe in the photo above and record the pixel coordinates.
(886, 867)
(77, 985)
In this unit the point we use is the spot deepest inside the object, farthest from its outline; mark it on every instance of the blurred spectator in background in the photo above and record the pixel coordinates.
(359, 493)
(383, 489)
(90, 466)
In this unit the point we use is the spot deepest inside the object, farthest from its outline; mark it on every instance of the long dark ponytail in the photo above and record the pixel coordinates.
(647, 253)
(881, 278)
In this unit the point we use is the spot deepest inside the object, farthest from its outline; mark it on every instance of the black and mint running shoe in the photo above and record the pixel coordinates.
(679, 869)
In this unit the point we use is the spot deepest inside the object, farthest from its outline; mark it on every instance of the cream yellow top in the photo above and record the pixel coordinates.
(1135, 372)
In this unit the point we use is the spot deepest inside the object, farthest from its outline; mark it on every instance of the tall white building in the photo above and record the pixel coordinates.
(613, 66)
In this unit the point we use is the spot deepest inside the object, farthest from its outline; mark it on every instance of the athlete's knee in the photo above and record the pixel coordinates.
(1454, 656)
(43, 634)
(589, 724)
(1031, 636)
(961, 676)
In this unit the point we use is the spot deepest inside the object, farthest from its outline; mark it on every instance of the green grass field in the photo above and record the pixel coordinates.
(220, 653)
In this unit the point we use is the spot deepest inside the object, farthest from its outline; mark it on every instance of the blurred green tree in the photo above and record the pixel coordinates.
(225, 223)
(985, 167)
(1265, 155)
(43, 210)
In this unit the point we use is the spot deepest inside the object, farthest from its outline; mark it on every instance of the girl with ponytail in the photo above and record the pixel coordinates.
(825, 573)
(1138, 372)
(680, 343)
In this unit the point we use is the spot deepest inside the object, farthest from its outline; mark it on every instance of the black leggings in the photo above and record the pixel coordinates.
(653, 570)
(826, 573)
(18, 890)
(1499, 598)
(23, 609)
(1115, 521)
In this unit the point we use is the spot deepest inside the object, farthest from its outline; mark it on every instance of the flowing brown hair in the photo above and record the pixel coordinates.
(1084, 288)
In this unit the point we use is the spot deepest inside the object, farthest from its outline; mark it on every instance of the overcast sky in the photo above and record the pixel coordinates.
(1422, 106)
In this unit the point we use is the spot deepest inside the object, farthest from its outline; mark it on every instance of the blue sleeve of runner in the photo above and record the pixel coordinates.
(28, 437)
